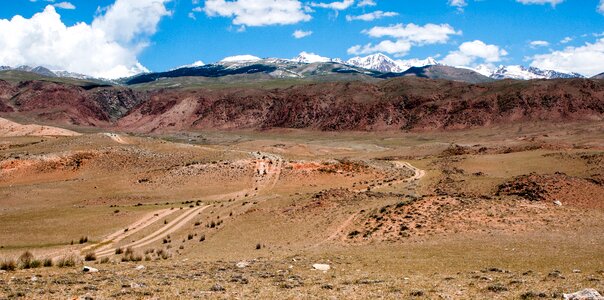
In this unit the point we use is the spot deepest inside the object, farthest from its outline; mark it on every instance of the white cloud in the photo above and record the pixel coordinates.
(541, 2)
(106, 48)
(258, 12)
(535, 44)
(398, 48)
(587, 59)
(341, 5)
(460, 4)
(372, 16)
(364, 3)
(427, 34)
(65, 5)
(566, 40)
(600, 8)
(469, 53)
(301, 34)
(404, 37)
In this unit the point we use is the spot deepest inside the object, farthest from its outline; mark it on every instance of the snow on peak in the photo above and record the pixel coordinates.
(309, 58)
(378, 62)
(528, 73)
(241, 58)
(383, 63)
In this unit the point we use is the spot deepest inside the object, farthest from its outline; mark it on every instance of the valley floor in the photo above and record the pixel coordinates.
(496, 213)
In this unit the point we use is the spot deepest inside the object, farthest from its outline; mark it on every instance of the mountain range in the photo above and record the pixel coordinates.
(313, 66)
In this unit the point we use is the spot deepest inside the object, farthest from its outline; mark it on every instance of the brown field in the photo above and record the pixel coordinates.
(508, 212)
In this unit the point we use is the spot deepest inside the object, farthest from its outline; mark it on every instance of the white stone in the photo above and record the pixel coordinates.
(89, 269)
(321, 267)
(557, 203)
(140, 268)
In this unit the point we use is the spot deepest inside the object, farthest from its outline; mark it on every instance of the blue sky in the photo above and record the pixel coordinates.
(169, 33)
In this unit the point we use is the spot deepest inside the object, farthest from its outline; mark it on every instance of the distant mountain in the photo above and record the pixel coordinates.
(383, 63)
(378, 62)
(309, 58)
(38, 70)
(599, 76)
(447, 73)
(42, 71)
(524, 73)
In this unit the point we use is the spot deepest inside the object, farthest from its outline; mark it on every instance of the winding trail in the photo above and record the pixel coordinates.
(417, 175)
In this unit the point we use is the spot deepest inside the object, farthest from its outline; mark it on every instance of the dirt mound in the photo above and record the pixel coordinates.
(9, 128)
(569, 190)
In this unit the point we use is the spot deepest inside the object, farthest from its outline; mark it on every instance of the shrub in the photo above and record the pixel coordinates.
(25, 260)
(68, 261)
(8, 265)
(119, 251)
(47, 262)
(84, 240)
(190, 236)
(130, 255)
(258, 246)
(90, 256)
(202, 238)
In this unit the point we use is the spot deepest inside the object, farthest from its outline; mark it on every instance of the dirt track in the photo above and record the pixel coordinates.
(157, 235)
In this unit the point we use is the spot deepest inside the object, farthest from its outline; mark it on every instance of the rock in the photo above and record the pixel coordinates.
(576, 271)
(557, 203)
(135, 285)
(140, 267)
(217, 288)
(586, 294)
(321, 267)
(2, 271)
(87, 269)
(34, 278)
(242, 264)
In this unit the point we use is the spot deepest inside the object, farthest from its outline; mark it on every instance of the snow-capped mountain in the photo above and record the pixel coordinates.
(518, 72)
(309, 58)
(524, 73)
(383, 63)
(378, 62)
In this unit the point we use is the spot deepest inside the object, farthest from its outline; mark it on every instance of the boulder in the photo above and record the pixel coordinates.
(586, 294)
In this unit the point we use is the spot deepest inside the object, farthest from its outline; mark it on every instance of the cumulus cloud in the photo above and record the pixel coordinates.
(364, 3)
(65, 5)
(587, 59)
(301, 34)
(469, 53)
(106, 48)
(541, 2)
(372, 16)
(337, 5)
(566, 40)
(600, 8)
(403, 37)
(258, 12)
(535, 44)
